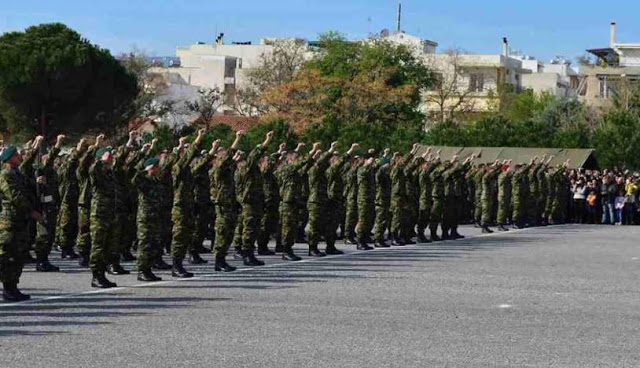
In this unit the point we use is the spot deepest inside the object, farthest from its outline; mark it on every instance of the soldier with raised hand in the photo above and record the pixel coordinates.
(102, 216)
(366, 198)
(437, 195)
(223, 196)
(351, 199)
(83, 240)
(18, 206)
(425, 201)
(148, 219)
(489, 187)
(49, 197)
(382, 200)
(270, 220)
(183, 204)
(252, 201)
(121, 203)
(203, 206)
(335, 176)
(398, 195)
(290, 175)
(504, 195)
(69, 190)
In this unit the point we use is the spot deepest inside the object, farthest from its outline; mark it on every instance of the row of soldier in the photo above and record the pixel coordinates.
(97, 203)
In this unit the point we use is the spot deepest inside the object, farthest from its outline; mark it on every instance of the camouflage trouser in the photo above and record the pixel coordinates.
(46, 232)
(237, 234)
(224, 224)
(269, 224)
(351, 216)
(449, 213)
(532, 208)
(411, 218)
(303, 216)
(118, 244)
(424, 213)
(487, 210)
(289, 223)
(317, 223)
(366, 216)
(167, 227)
(397, 216)
(477, 212)
(519, 211)
(202, 221)
(333, 221)
(102, 229)
(504, 203)
(130, 232)
(251, 216)
(436, 213)
(14, 240)
(183, 227)
(67, 225)
(83, 240)
(381, 221)
(149, 246)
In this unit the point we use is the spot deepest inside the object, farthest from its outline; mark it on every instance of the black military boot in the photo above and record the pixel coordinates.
(194, 258)
(239, 254)
(68, 253)
(288, 255)
(116, 269)
(398, 241)
(100, 281)
(178, 271)
(381, 244)
(351, 239)
(434, 234)
(201, 249)
(455, 234)
(148, 276)
(127, 256)
(160, 264)
(222, 265)
(43, 264)
(362, 245)
(314, 252)
(486, 230)
(445, 234)
(83, 260)
(263, 250)
(28, 258)
(279, 248)
(332, 250)
(11, 293)
(251, 260)
(302, 237)
(501, 227)
(422, 238)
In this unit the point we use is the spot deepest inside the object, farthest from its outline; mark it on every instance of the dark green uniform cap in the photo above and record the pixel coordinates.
(8, 152)
(151, 162)
(102, 151)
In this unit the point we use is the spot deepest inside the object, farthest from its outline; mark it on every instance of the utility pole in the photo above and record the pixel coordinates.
(399, 17)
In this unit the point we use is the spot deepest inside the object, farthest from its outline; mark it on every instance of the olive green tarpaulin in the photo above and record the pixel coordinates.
(578, 158)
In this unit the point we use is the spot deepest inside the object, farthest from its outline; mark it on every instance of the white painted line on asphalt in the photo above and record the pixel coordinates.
(200, 277)
(505, 306)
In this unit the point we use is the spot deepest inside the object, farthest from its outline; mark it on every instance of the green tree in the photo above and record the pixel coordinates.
(53, 80)
(617, 139)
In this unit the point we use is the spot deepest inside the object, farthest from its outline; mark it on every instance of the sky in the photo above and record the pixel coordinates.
(540, 28)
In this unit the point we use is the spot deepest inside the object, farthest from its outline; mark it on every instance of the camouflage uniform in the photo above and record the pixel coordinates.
(437, 195)
(504, 197)
(251, 198)
(335, 192)
(102, 215)
(270, 221)
(166, 195)
(477, 183)
(412, 199)
(148, 219)
(68, 193)
(223, 196)
(83, 240)
(351, 198)
(49, 202)
(398, 196)
(121, 204)
(366, 197)
(382, 202)
(317, 203)
(489, 195)
(182, 213)
(290, 183)
(426, 188)
(16, 191)
(203, 208)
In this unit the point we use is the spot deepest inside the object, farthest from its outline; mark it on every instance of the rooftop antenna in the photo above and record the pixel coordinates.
(399, 17)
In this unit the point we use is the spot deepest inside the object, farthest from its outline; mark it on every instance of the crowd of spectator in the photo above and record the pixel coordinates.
(608, 197)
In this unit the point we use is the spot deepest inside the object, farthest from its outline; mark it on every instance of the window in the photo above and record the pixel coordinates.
(476, 82)
(436, 81)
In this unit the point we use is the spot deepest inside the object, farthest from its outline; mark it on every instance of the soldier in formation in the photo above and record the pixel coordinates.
(96, 203)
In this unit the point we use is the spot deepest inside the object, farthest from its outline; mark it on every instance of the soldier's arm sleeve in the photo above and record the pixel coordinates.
(16, 193)
(51, 157)
(202, 161)
(254, 156)
(26, 167)
(85, 162)
(187, 157)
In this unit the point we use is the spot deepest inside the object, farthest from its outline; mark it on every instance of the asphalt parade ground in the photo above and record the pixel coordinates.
(561, 296)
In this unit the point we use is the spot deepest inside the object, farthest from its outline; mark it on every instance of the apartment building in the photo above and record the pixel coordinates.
(616, 66)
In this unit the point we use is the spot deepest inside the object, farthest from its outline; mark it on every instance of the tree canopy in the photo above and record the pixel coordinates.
(53, 80)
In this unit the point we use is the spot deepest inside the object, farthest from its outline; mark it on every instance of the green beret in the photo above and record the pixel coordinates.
(8, 152)
(100, 152)
(151, 162)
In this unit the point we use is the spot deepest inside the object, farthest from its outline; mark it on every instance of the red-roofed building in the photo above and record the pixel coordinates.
(142, 125)
(236, 122)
